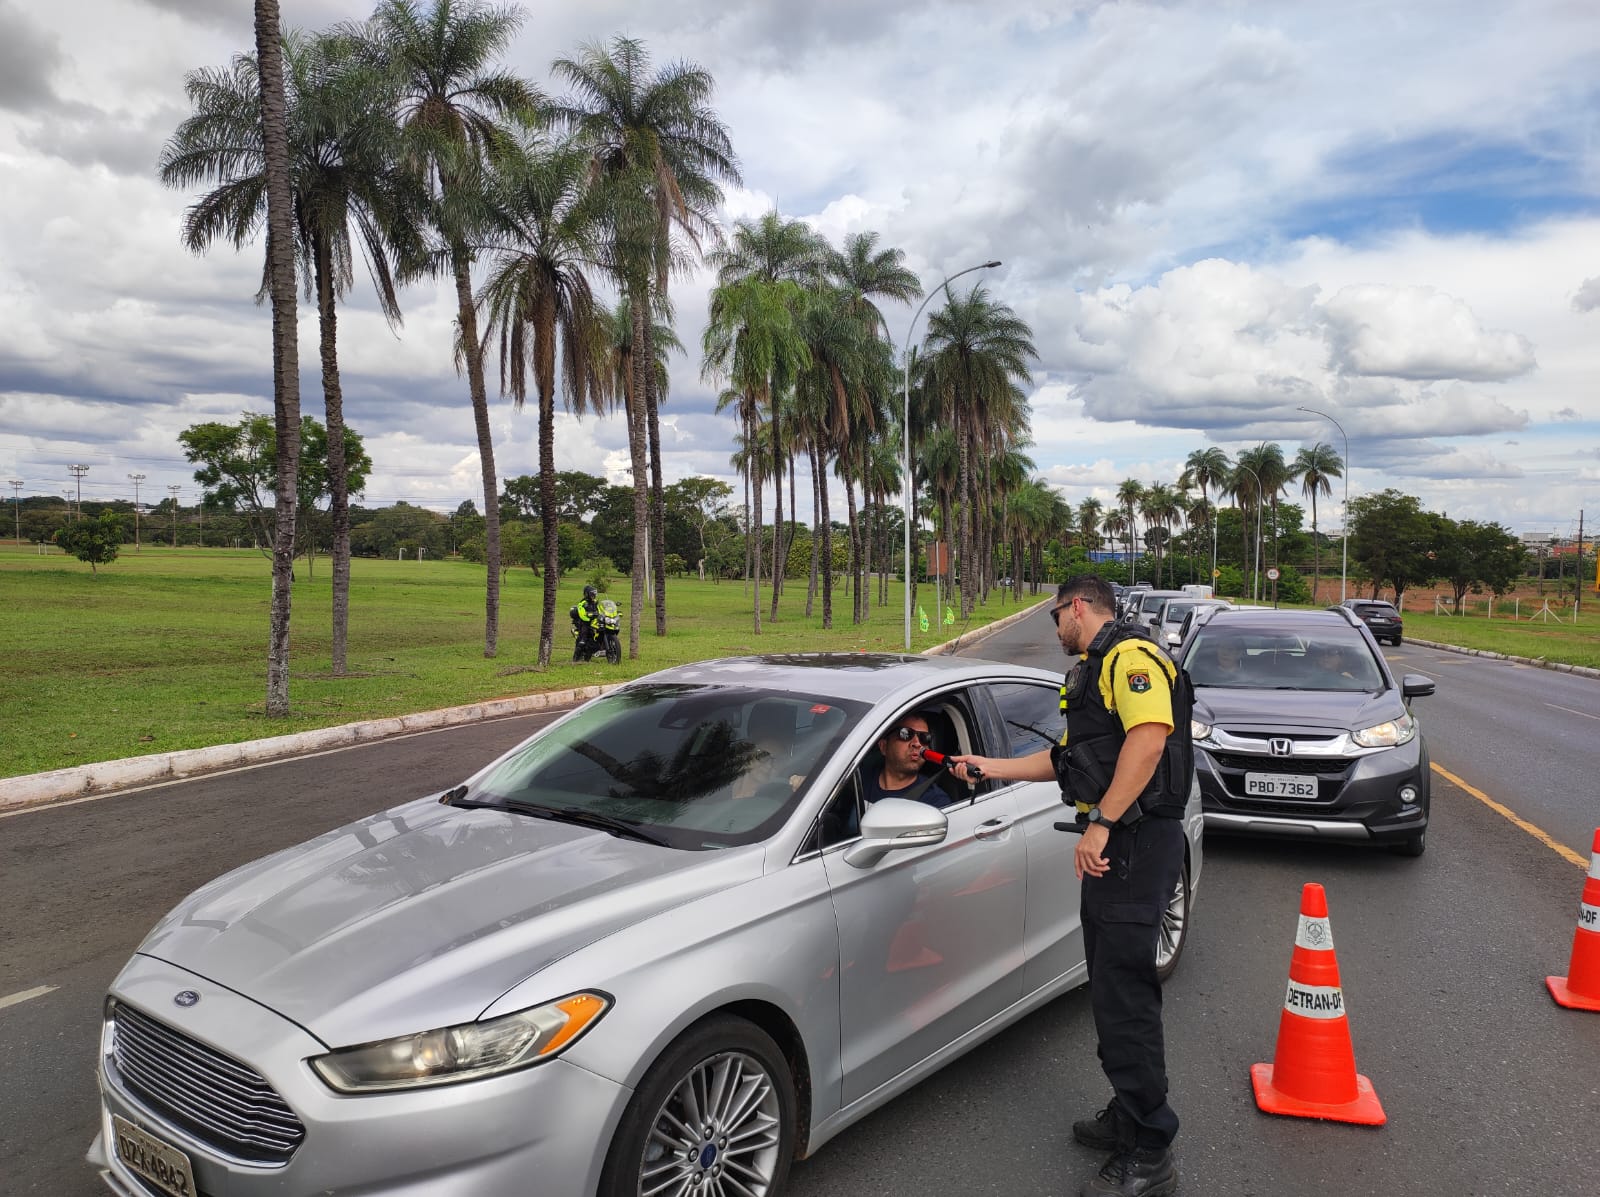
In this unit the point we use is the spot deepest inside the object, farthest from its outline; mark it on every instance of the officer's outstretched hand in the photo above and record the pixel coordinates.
(968, 768)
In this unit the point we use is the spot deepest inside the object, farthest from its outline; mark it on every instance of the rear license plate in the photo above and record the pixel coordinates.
(1279, 785)
(161, 1164)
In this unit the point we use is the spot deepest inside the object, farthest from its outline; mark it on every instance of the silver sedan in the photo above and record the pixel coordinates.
(664, 946)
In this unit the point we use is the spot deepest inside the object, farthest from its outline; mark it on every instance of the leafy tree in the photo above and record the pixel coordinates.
(1472, 555)
(239, 469)
(94, 541)
(382, 533)
(465, 524)
(1392, 539)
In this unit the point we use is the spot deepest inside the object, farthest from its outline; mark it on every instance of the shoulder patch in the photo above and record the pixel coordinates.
(1138, 680)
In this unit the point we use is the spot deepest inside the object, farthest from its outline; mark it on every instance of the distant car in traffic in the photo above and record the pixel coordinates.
(1175, 611)
(1300, 729)
(1146, 610)
(664, 946)
(1383, 618)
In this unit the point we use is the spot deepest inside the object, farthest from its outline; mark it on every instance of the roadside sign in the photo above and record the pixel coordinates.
(1273, 574)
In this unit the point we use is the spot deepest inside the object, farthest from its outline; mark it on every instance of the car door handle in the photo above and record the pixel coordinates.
(992, 828)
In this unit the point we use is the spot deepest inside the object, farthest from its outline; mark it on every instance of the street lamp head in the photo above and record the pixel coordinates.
(991, 265)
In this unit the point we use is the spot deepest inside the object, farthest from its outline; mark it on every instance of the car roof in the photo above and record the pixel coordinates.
(864, 677)
(1270, 619)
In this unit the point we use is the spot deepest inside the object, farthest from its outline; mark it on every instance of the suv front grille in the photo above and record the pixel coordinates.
(218, 1100)
(1317, 766)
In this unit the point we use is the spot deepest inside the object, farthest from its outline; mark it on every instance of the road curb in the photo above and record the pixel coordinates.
(101, 777)
(1490, 654)
(104, 777)
(983, 633)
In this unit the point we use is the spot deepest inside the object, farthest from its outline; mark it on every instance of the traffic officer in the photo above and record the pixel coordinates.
(1125, 762)
(586, 620)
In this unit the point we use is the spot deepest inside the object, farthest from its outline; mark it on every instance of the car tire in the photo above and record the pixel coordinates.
(1173, 931)
(1395, 642)
(1414, 844)
(696, 1062)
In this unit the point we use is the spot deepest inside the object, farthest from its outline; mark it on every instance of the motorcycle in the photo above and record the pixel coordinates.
(604, 635)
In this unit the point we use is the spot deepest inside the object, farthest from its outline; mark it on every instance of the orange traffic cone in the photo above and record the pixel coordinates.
(1580, 988)
(1313, 1073)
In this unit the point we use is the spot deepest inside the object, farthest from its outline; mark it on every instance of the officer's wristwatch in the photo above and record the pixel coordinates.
(1096, 815)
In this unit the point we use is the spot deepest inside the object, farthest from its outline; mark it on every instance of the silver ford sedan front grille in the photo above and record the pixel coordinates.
(215, 1098)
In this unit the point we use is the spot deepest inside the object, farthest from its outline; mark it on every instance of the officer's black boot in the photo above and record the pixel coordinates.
(1108, 1130)
(1139, 1172)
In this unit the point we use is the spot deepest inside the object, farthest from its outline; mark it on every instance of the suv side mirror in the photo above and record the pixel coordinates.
(895, 823)
(1415, 685)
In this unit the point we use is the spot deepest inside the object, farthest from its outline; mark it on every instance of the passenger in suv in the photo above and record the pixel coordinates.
(1380, 616)
(1301, 730)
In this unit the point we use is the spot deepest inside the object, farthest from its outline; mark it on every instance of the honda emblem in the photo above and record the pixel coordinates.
(1281, 746)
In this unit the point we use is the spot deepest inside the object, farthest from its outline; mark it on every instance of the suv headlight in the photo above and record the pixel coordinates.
(1387, 735)
(463, 1053)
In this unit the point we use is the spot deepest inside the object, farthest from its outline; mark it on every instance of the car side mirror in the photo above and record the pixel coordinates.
(1415, 685)
(895, 823)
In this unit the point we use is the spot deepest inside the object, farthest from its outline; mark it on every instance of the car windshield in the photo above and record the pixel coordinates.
(698, 766)
(1236, 659)
(1176, 612)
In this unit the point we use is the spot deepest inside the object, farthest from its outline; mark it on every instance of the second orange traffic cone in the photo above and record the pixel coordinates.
(1313, 1073)
(1580, 988)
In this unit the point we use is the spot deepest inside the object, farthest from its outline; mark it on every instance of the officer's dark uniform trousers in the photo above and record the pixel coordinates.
(1122, 912)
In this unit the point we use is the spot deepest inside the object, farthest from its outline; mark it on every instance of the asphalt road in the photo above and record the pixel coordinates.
(1489, 1087)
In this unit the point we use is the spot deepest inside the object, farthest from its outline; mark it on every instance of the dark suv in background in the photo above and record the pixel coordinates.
(1300, 729)
(1381, 617)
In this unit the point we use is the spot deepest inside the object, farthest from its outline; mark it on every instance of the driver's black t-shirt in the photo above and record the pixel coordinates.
(872, 789)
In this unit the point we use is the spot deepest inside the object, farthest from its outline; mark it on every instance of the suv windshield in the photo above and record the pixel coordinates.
(698, 766)
(1241, 659)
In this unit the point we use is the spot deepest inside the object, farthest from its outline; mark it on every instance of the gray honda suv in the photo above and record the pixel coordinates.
(1300, 729)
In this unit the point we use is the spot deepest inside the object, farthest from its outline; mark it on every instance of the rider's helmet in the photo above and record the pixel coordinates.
(589, 594)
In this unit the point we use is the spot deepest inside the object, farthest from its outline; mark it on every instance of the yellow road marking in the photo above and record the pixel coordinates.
(1538, 833)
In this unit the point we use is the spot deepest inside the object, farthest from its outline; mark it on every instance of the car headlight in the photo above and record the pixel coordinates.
(1387, 735)
(466, 1052)
(1199, 731)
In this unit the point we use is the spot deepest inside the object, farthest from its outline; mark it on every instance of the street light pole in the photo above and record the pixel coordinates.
(1344, 540)
(173, 490)
(136, 479)
(905, 426)
(16, 499)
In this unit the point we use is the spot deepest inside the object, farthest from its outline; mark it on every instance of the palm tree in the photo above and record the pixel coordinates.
(547, 230)
(455, 114)
(653, 136)
(285, 352)
(1315, 467)
(1161, 509)
(975, 355)
(753, 340)
(1129, 493)
(1206, 468)
(344, 173)
(865, 273)
(1090, 513)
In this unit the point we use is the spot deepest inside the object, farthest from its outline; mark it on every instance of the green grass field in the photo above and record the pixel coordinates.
(1573, 643)
(166, 649)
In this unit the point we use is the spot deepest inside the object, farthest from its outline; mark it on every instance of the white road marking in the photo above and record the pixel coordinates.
(1570, 711)
(16, 999)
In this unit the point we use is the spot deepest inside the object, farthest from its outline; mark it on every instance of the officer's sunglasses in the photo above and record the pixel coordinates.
(1055, 612)
(904, 734)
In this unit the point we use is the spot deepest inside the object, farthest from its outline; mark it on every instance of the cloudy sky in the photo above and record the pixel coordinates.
(1211, 213)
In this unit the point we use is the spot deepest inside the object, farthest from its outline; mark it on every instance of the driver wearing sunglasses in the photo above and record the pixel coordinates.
(902, 747)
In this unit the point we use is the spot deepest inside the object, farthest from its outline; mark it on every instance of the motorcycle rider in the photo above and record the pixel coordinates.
(586, 622)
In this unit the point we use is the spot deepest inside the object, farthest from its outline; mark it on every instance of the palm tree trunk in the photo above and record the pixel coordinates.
(755, 548)
(1316, 550)
(855, 557)
(816, 527)
(285, 349)
(545, 368)
(868, 518)
(638, 446)
(964, 553)
(794, 511)
(658, 506)
(467, 315)
(779, 559)
(826, 520)
(338, 475)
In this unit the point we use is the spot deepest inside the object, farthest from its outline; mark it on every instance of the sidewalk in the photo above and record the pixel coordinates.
(104, 777)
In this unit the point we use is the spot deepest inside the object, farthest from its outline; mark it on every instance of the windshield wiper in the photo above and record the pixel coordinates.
(584, 818)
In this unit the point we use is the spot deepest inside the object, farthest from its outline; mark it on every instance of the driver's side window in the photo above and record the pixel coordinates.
(953, 730)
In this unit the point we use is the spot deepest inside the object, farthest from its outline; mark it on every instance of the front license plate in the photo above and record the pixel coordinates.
(1279, 785)
(162, 1165)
